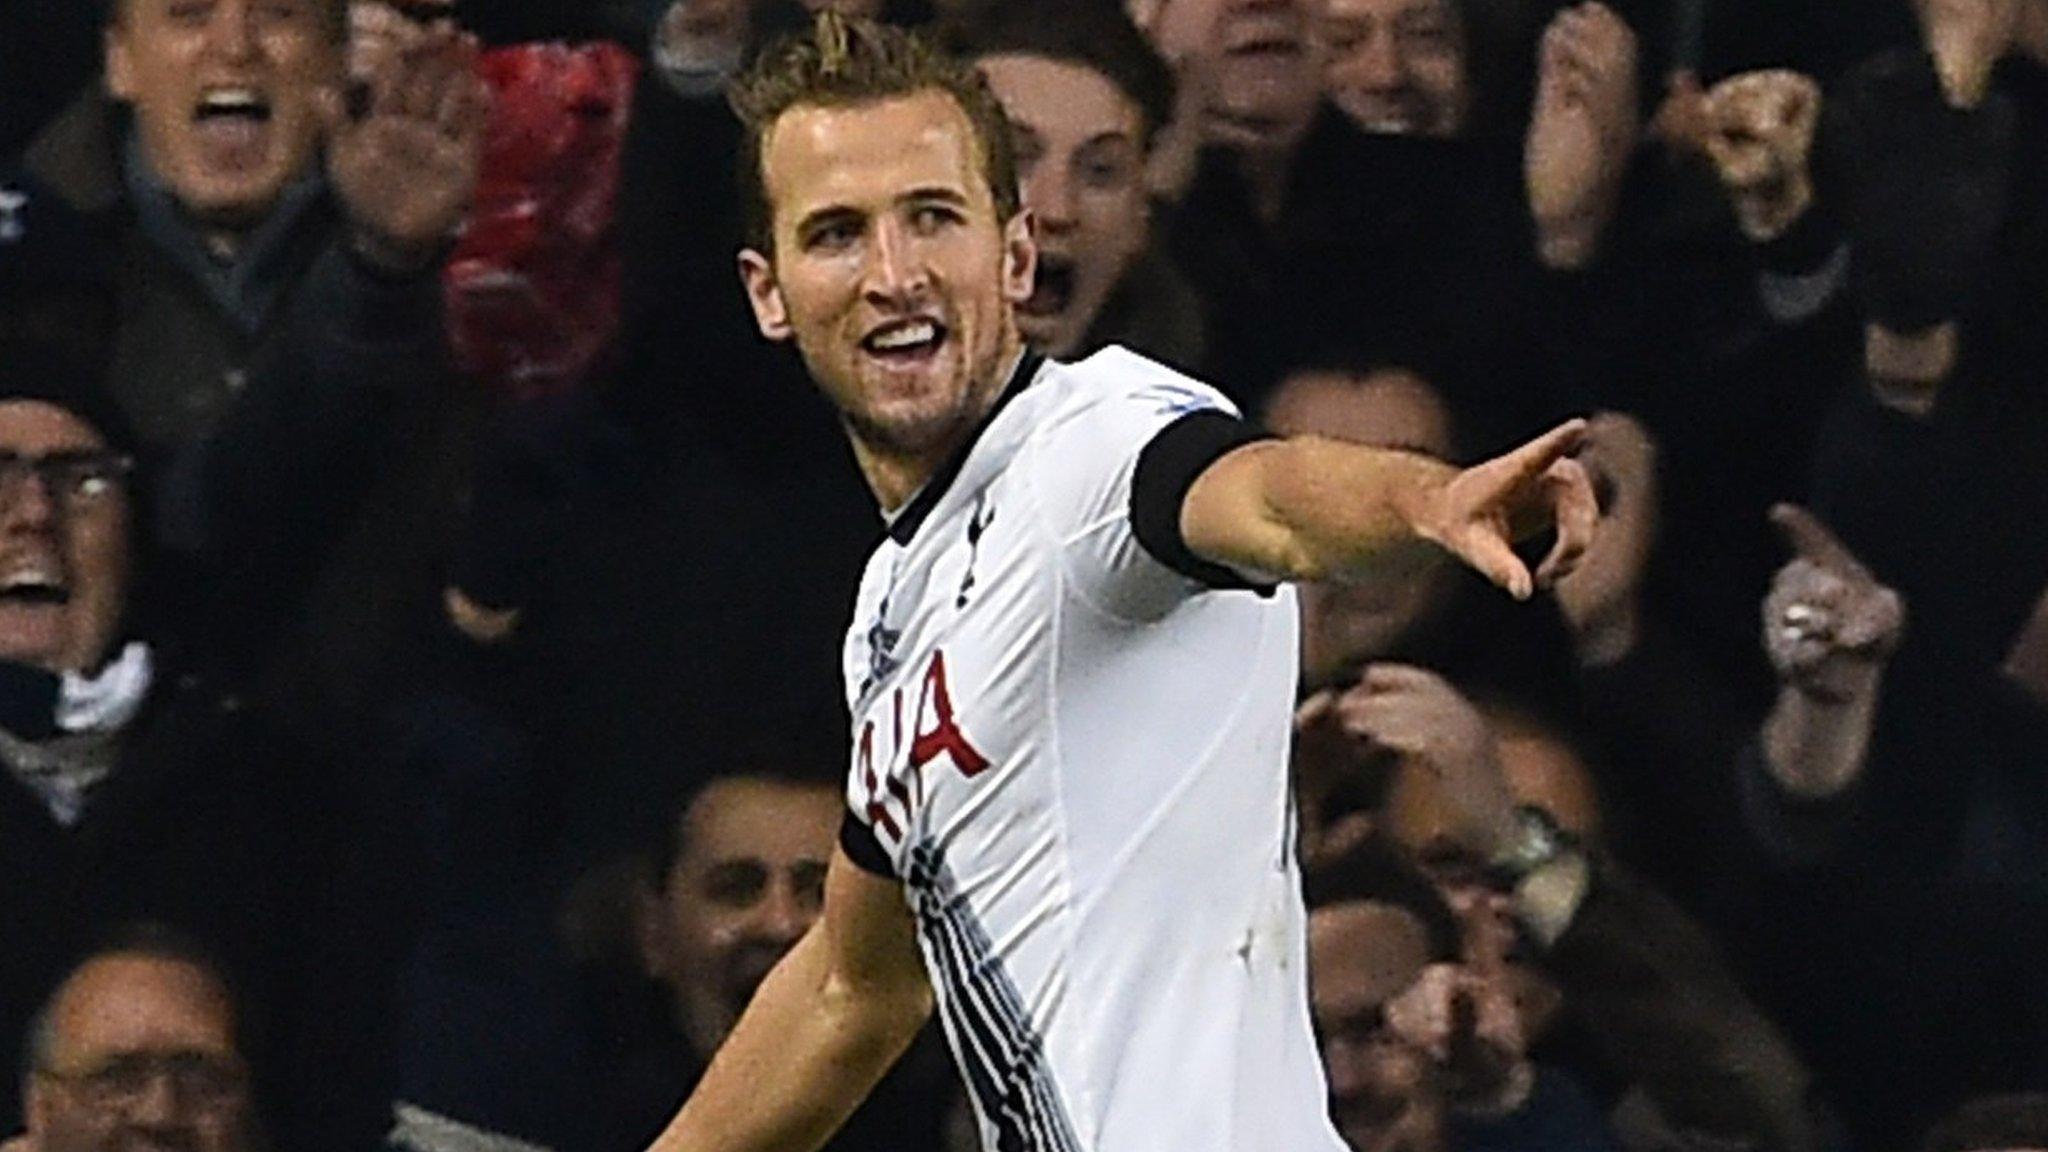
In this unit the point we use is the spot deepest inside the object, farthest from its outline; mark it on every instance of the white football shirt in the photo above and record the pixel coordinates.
(1074, 756)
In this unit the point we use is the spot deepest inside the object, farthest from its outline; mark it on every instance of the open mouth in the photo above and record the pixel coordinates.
(232, 118)
(34, 588)
(906, 342)
(1052, 289)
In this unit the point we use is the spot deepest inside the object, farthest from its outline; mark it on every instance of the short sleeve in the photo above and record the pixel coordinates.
(858, 841)
(1112, 475)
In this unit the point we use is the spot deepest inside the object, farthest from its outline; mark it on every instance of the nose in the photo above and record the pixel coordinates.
(160, 1106)
(26, 503)
(232, 33)
(897, 271)
(1049, 193)
(781, 916)
(1376, 64)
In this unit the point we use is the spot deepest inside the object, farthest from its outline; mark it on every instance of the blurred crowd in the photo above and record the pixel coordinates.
(421, 589)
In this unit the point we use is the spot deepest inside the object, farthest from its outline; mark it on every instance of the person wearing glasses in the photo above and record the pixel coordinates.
(140, 1046)
(134, 788)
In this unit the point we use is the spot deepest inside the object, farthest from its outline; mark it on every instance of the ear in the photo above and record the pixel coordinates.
(120, 66)
(1020, 256)
(771, 315)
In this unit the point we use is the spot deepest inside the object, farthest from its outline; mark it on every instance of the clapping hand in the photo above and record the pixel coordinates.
(1760, 128)
(405, 170)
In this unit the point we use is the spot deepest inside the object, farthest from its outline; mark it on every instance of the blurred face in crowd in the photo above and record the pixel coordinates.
(140, 1055)
(63, 539)
(890, 268)
(1080, 147)
(1347, 625)
(225, 96)
(747, 882)
(377, 30)
(1363, 954)
(1264, 81)
(1395, 67)
(704, 38)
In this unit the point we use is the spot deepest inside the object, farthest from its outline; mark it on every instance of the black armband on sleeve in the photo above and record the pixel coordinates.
(1167, 468)
(858, 841)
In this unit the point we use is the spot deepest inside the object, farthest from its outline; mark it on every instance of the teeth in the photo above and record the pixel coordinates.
(232, 100)
(909, 335)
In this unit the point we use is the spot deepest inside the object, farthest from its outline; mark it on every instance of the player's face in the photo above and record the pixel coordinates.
(749, 881)
(1361, 955)
(1346, 625)
(1081, 159)
(224, 93)
(1395, 67)
(891, 270)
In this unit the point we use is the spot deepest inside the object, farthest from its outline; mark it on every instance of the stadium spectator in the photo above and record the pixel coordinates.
(255, 257)
(131, 789)
(1087, 97)
(1422, 1039)
(734, 878)
(142, 1045)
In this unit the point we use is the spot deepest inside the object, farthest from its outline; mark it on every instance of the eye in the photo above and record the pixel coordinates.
(736, 885)
(809, 880)
(189, 12)
(930, 218)
(835, 236)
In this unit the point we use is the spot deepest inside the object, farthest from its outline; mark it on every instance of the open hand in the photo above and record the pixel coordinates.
(406, 170)
(1583, 130)
(1760, 129)
(1829, 625)
(1479, 513)
(1418, 715)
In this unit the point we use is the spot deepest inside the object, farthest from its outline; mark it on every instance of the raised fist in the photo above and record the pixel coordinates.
(1760, 129)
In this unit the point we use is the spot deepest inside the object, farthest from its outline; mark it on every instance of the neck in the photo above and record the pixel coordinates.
(895, 474)
(1265, 172)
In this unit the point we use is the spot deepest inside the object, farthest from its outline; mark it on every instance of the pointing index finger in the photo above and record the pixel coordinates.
(1812, 540)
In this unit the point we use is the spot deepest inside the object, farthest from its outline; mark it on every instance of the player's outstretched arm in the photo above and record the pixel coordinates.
(824, 1026)
(1308, 508)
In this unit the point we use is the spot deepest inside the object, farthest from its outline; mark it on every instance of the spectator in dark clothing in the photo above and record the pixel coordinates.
(1423, 1046)
(257, 264)
(1087, 97)
(1403, 224)
(736, 878)
(134, 791)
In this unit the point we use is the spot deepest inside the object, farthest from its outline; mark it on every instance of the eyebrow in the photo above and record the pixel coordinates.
(934, 193)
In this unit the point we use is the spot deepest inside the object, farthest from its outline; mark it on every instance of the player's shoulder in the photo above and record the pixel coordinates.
(1118, 380)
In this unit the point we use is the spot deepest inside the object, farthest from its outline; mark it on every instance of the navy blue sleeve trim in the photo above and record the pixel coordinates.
(1167, 468)
(858, 841)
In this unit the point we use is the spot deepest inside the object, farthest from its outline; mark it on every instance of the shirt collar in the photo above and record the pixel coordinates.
(904, 524)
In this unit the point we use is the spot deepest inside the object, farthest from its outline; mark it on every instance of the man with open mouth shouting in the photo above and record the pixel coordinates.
(257, 253)
(1071, 668)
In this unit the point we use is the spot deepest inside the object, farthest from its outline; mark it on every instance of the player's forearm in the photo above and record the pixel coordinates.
(804, 1055)
(1309, 508)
